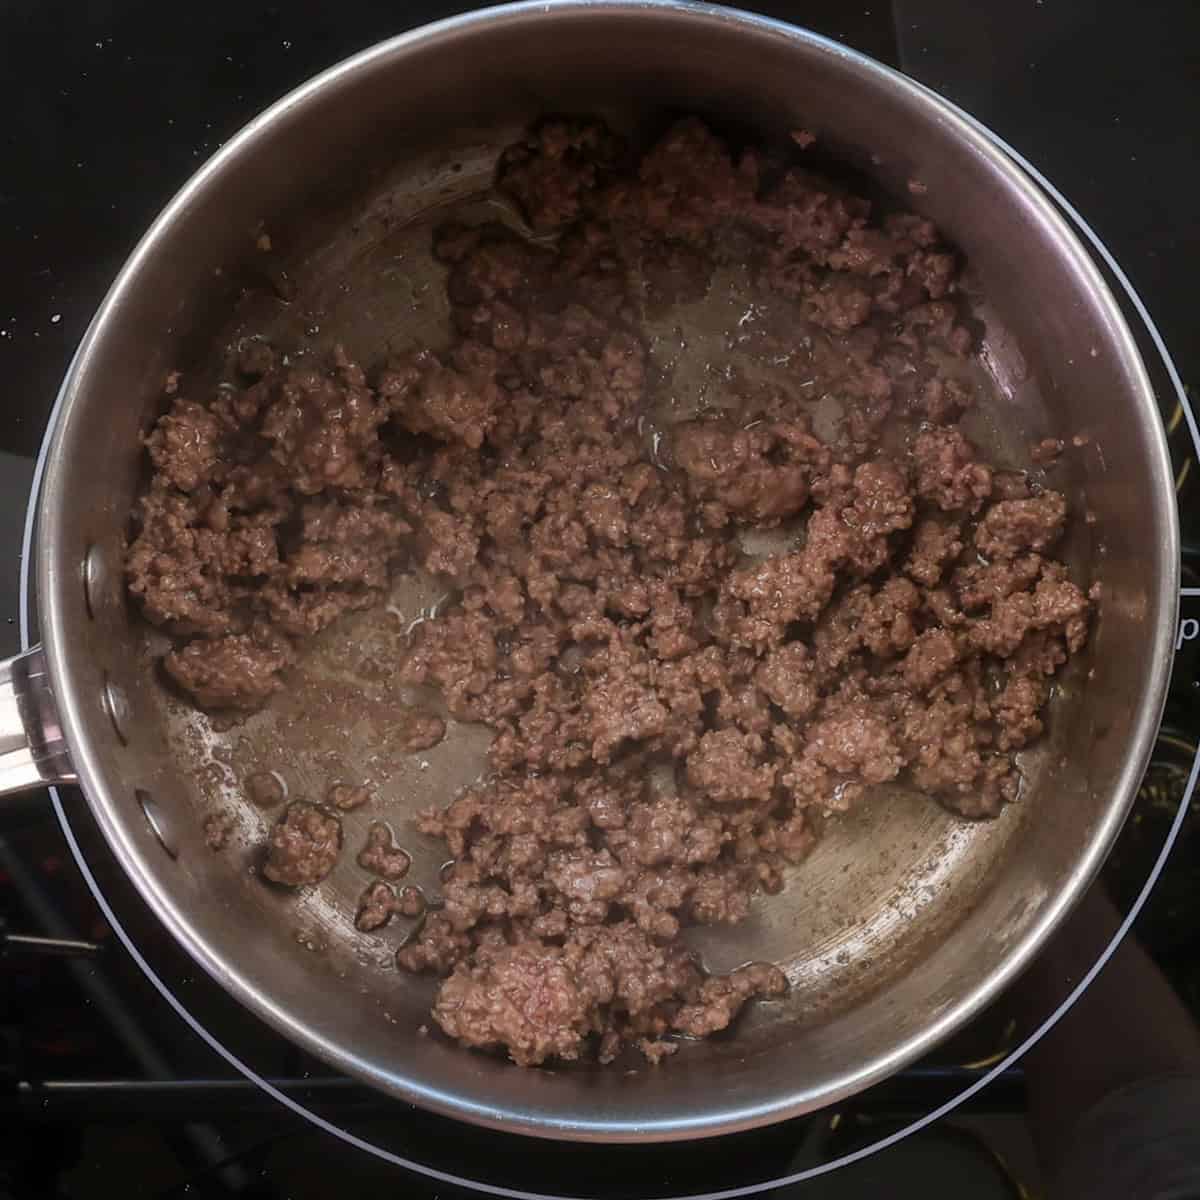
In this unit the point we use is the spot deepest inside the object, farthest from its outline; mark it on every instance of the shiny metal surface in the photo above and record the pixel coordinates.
(32, 750)
(905, 921)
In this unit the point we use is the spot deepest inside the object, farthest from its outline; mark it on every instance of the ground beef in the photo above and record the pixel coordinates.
(727, 767)
(542, 1001)
(437, 948)
(671, 713)
(218, 827)
(1047, 451)
(759, 474)
(980, 585)
(375, 907)
(936, 543)
(554, 172)
(303, 845)
(382, 856)
(848, 747)
(1014, 526)
(240, 671)
(787, 677)
(948, 471)
(261, 525)
(523, 997)
(422, 731)
(185, 446)
(347, 796)
(719, 999)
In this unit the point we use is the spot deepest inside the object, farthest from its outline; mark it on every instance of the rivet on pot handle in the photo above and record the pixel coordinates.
(32, 751)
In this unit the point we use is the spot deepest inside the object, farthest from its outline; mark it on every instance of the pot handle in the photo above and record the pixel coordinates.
(32, 751)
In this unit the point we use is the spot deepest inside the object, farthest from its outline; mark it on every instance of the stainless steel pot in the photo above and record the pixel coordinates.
(905, 921)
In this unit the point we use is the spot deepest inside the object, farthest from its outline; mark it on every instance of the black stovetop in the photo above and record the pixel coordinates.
(108, 108)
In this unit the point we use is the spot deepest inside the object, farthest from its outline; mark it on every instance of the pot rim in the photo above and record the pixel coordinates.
(74, 713)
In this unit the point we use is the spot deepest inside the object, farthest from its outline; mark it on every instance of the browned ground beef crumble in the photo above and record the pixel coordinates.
(382, 856)
(303, 845)
(606, 618)
(347, 797)
(375, 906)
(218, 827)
